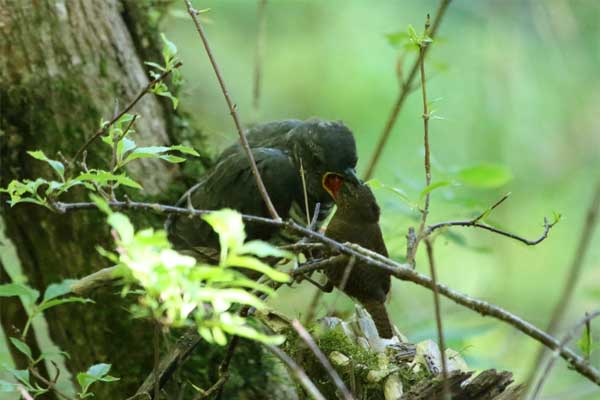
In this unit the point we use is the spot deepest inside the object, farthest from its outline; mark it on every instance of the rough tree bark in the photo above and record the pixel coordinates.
(63, 65)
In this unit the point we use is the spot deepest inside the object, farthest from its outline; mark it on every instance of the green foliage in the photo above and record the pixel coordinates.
(170, 59)
(53, 296)
(485, 176)
(180, 291)
(44, 192)
(95, 373)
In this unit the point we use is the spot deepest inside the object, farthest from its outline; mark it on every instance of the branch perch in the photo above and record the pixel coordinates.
(400, 271)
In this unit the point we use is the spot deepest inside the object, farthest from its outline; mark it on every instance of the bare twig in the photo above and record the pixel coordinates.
(438, 317)
(244, 142)
(547, 226)
(170, 362)
(259, 53)
(205, 394)
(49, 384)
(297, 371)
(400, 271)
(566, 339)
(156, 345)
(574, 272)
(337, 380)
(141, 94)
(405, 90)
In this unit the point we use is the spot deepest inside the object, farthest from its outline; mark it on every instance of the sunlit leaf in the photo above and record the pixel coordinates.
(58, 289)
(17, 289)
(122, 225)
(57, 166)
(22, 347)
(56, 302)
(185, 150)
(433, 186)
(485, 176)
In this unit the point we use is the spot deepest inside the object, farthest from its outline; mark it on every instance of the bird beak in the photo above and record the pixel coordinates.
(349, 175)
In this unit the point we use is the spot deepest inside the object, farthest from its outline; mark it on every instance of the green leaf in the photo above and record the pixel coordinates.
(22, 347)
(58, 289)
(585, 342)
(57, 166)
(377, 184)
(169, 50)
(101, 203)
(432, 187)
(17, 289)
(22, 375)
(185, 150)
(123, 226)
(95, 373)
(397, 38)
(172, 159)
(145, 152)
(486, 176)
(228, 225)
(257, 265)
(56, 302)
(6, 386)
(104, 177)
(260, 248)
(412, 34)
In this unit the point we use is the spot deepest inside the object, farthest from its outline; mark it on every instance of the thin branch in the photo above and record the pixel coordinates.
(438, 318)
(297, 371)
(156, 345)
(410, 257)
(574, 273)
(405, 90)
(259, 53)
(398, 270)
(141, 94)
(337, 380)
(46, 382)
(566, 339)
(470, 223)
(205, 394)
(244, 142)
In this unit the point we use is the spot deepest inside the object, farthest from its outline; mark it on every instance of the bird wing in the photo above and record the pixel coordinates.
(263, 135)
(230, 184)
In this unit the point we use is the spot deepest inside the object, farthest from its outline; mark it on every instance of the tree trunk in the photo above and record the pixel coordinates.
(64, 65)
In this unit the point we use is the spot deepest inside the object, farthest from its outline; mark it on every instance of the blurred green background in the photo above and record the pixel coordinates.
(517, 83)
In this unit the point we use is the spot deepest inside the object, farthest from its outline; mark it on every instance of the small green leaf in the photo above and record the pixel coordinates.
(22, 347)
(185, 150)
(172, 159)
(101, 204)
(58, 289)
(412, 34)
(122, 225)
(264, 249)
(257, 265)
(57, 166)
(17, 289)
(169, 49)
(6, 387)
(397, 38)
(486, 176)
(585, 342)
(56, 302)
(433, 186)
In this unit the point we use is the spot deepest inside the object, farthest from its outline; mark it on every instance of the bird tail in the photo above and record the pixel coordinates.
(381, 318)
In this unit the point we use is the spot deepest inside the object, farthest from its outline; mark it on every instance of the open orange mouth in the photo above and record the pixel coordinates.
(332, 183)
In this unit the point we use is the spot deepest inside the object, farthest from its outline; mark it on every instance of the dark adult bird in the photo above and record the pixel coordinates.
(356, 220)
(324, 150)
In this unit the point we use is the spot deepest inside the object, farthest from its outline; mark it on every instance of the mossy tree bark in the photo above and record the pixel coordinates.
(64, 65)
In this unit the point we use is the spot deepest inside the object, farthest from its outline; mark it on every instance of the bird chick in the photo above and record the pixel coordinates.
(356, 220)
